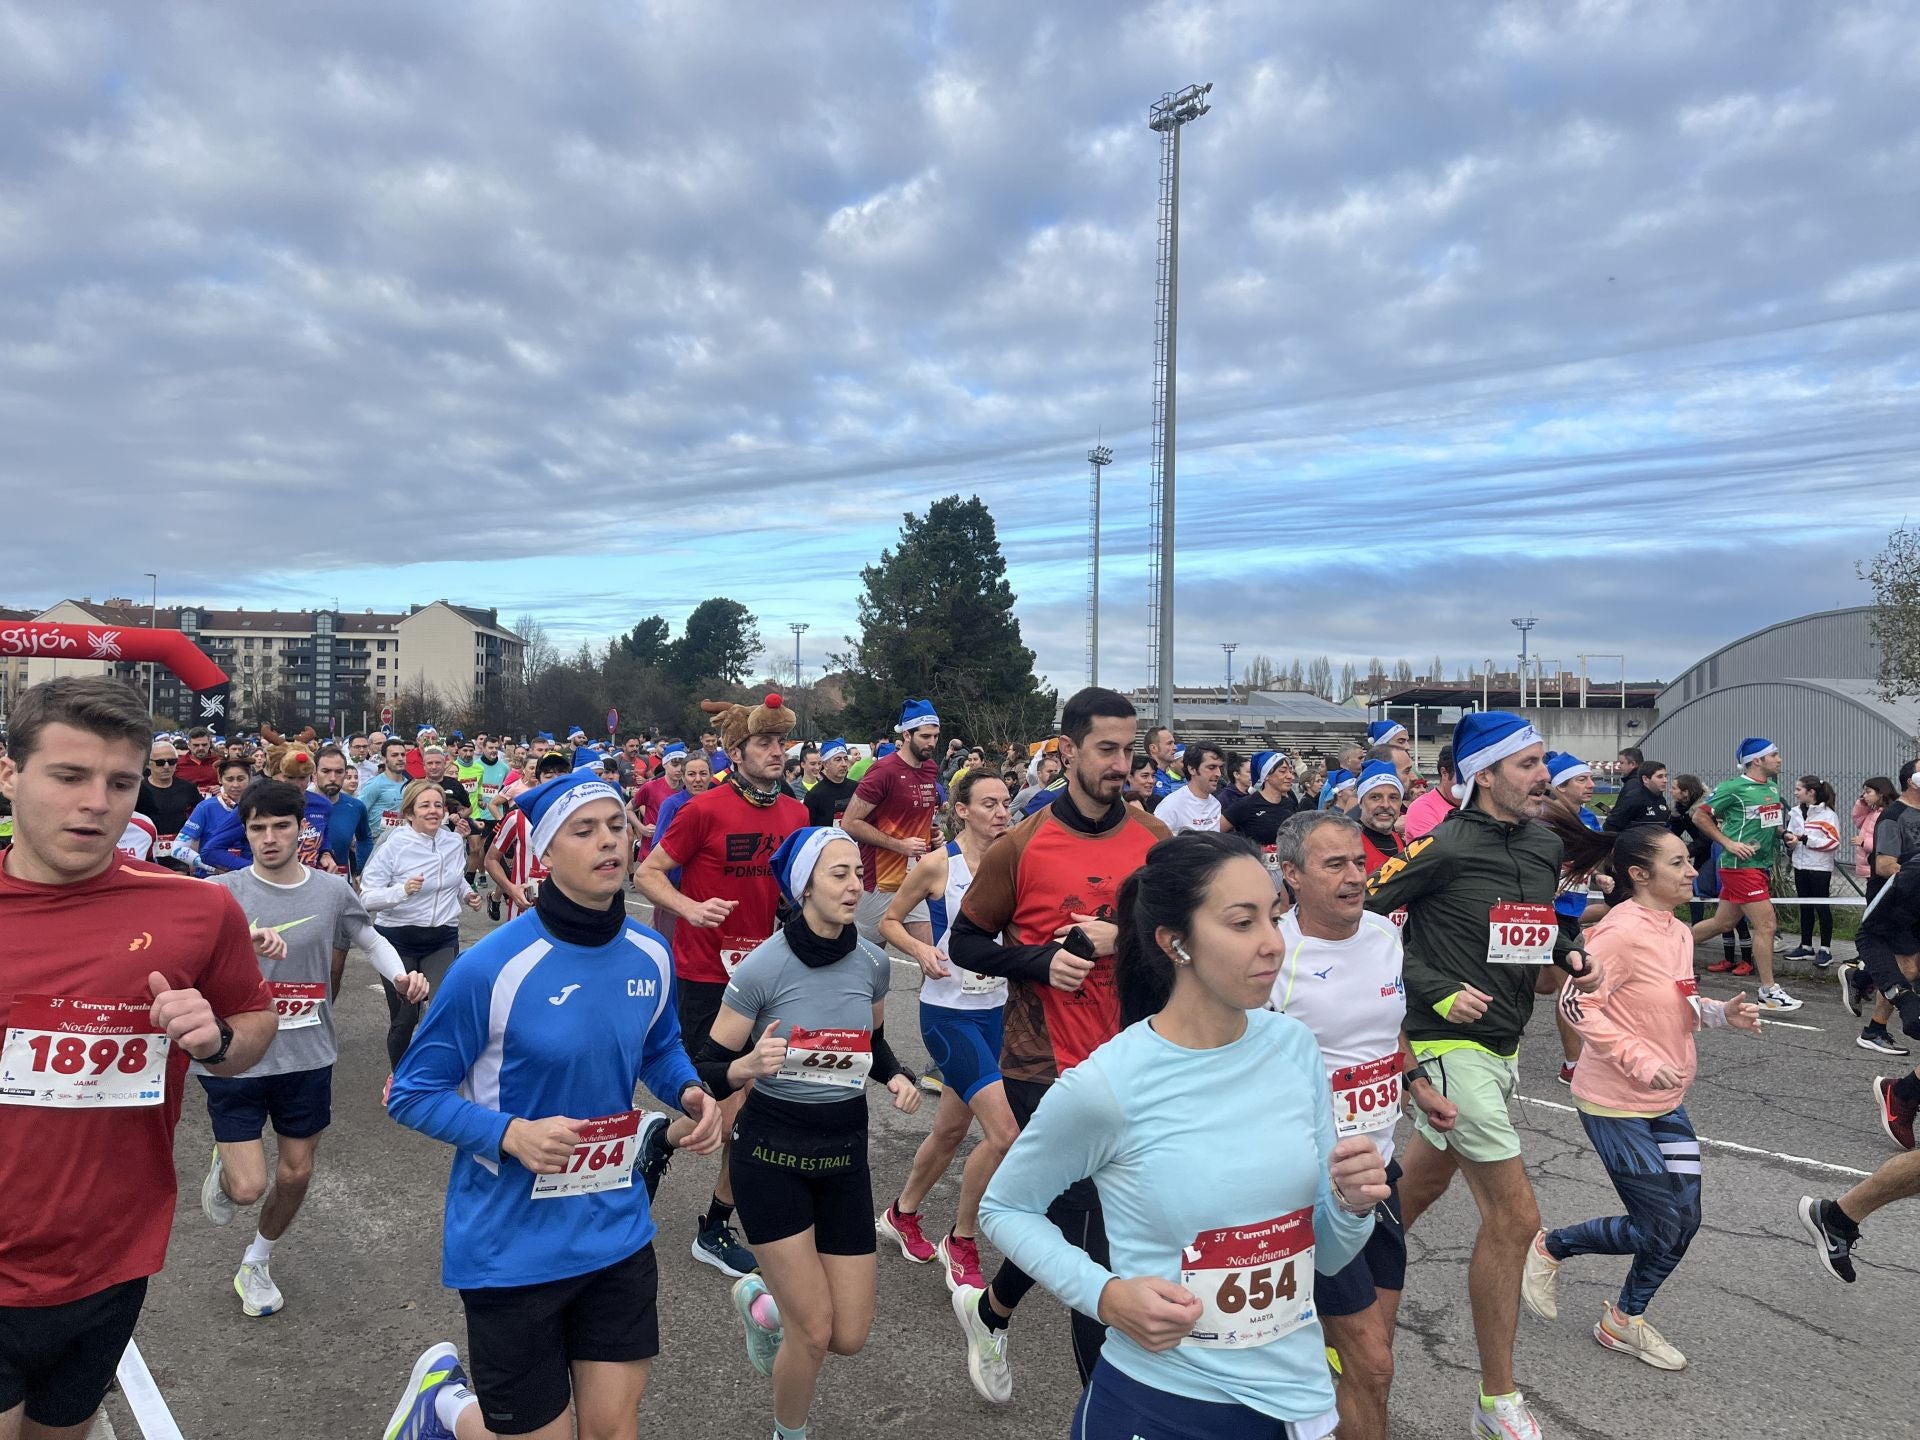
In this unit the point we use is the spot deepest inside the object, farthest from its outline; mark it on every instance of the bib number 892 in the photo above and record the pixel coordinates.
(1261, 1289)
(69, 1055)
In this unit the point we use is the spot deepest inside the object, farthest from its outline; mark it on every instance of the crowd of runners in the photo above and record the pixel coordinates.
(1183, 996)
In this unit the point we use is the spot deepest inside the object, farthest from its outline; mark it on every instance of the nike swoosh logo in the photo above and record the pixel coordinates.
(561, 998)
(282, 929)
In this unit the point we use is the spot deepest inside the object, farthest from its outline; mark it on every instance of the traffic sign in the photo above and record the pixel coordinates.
(386, 716)
(613, 721)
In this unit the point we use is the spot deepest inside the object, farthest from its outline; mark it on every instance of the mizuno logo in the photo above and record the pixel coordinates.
(561, 998)
(1322, 974)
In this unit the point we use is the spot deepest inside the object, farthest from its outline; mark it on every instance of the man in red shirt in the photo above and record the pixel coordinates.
(722, 842)
(197, 768)
(113, 974)
(648, 799)
(1057, 872)
(891, 815)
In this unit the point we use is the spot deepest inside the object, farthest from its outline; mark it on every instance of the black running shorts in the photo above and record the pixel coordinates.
(60, 1359)
(799, 1166)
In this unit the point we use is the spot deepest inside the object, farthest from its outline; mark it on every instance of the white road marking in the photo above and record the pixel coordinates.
(1727, 1144)
(1789, 1025)
(143, 1397)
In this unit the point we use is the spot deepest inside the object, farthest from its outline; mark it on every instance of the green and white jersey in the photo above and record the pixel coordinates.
(1750, 812)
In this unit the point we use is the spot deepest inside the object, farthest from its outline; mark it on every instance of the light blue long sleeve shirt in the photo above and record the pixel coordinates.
(1180, 1142)
(526, 1026)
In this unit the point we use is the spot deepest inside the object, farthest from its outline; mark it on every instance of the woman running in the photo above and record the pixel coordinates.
(961, 1017)
(803, 1020)
(1813, 840)
(415, 884)
(1208, 1297)
(1633, 1075)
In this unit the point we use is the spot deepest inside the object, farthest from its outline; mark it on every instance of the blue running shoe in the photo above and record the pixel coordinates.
(415, 1417)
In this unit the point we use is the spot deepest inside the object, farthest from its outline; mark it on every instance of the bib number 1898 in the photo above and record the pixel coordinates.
(73, 1052)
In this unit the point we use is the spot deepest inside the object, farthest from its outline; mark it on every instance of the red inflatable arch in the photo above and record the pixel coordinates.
(193, 667)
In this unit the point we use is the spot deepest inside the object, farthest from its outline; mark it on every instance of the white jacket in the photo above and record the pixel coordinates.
(1819, 831)
(440, 859)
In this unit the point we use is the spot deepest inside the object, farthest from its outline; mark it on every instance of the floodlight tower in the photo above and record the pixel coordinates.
(1099, 458)
(1523, 625)
(1167, 116)
(1229, 646)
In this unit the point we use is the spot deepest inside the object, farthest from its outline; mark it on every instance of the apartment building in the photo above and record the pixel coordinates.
(321, 663)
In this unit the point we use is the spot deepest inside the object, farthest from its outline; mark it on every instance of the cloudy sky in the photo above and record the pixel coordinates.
(1600, 312)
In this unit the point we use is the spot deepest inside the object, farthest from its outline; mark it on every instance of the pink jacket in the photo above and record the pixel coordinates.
(1427, 811)
(1643, 1015)
(1865, 818)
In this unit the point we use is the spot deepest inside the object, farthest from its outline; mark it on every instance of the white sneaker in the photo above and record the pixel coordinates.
(258, 1294)
(1772, 997)
(987, 1363)
(215, 1203)
(1536, 1281)
(1509, 1419)
(1632, 1335)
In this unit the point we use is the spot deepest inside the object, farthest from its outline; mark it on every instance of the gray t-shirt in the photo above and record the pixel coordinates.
(1897, 832)
(313, 917)
(772, 984)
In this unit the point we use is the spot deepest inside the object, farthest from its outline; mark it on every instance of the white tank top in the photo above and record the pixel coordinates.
(963, 989)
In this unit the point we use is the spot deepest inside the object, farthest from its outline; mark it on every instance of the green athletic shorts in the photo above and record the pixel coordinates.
(1482, 1085)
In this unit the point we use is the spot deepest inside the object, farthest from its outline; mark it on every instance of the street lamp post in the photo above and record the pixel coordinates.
(799, 628)
(1099, 458)
(153, 623)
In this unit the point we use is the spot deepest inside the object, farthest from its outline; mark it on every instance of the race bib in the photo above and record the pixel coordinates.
(839, 1058)
(603, 1160)
(73, 1053)
(1366, 1097)
(1520, 934)
(1769, 816)
(1254, 1283)
(732, 952)
(297, 1003)
(1689, 989)
(163, 847)
(389, 819)
(972, 983)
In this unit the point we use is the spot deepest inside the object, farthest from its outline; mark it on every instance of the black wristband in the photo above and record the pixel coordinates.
(886, 1064)
(712, 1064)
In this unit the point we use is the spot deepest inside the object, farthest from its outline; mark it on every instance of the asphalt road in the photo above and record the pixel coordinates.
(1775, 1344)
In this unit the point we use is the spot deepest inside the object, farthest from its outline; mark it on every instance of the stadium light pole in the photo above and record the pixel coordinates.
(153, 623)
(799, 628)
(1229, 646)
(1099, 457)
(1523, 626)
(1166, 117)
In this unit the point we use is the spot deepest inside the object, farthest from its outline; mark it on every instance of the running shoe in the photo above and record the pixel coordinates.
(1632, 1335)
(1566, 1072)
(215, 1203)
(1721, 966)
(718, 1246)
(1832, 1234)
(1896, 1115)
(762, 1344)
(1772, 997)
(960, 1258)
(1876, 1037)
(1822, 959)
(493, 907)
(904, 1231)
(987, 1363)
(654, 1150)
(1536, 1281)
(1852, 993)
(1743, 969)
(415, 1417)
(258, 1294)
(1506, 1417)
(1799, 952)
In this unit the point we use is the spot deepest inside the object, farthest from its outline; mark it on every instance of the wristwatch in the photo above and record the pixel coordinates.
(1413, 1073)
(226, 1043)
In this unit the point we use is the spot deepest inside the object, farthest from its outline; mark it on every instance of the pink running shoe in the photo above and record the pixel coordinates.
(961, 1257)
(904, 1231)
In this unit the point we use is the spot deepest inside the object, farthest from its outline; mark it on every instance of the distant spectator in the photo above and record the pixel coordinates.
(1813, 840)
(1875, 795)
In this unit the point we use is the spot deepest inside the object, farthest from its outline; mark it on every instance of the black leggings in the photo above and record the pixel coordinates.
(1820, 883)
(1077, 1212)
(429, 949)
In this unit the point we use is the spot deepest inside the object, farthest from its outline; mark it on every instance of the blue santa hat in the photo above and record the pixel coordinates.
(1484, 738)
(548, 805)
(546, 735)
(678, 747)
(576, 730)
(1265, 762)
(1754, 748)
(833, 747)
(424, 730)
(793, 862)
(916, 713)
(884, 749)
(1385, 732)
(1337, 781)
(1563, 767)
(1376, 773)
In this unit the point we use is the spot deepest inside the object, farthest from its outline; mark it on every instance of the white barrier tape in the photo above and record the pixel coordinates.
(143, 1397)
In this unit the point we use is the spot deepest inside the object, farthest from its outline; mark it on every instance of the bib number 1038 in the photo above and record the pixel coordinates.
(74, 1052)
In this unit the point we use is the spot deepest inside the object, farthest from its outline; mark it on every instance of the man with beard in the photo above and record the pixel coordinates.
(1481, 941)
(1380, 793)
(197, 768)
(827, 801)
(891, 815)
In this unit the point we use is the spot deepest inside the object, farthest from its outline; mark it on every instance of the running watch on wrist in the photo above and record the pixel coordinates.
(226, 1043)
(1415, 1074)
